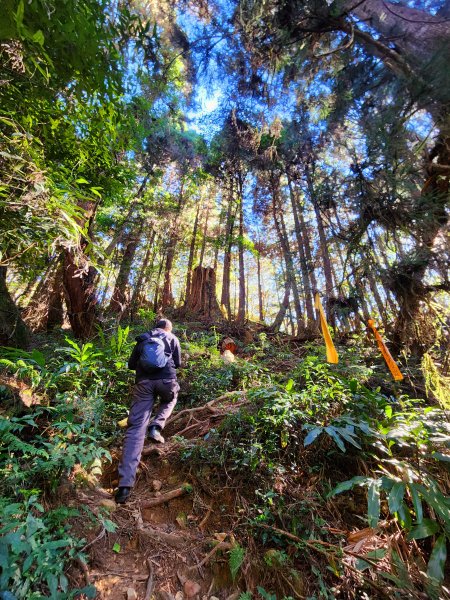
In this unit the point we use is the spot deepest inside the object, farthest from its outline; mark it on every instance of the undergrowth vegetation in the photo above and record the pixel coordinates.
(343, 484)
(78, 392)
(327, 429)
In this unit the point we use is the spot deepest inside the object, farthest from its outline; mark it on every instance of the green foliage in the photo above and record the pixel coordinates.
(435, 383)
(31, 456)
(147, 316)
(63, 440)
(235, 559)
(210, 376)
(36, 546)
(27, 366)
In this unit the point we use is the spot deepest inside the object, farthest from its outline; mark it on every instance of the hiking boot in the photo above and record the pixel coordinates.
(154, 433)
(122, 495)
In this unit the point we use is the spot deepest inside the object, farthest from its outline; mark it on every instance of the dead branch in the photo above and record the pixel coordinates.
(220, 546)
(83, 566)
(166, 497)
(171, 539)
(208, 407)
(96, 539)
(148, 450)
(205, 519)
(150, 585)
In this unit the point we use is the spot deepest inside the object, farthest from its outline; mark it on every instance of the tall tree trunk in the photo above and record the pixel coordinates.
(167, 295)
(204, 235)
(280, 226)
(119, 235)
(13, 331)
(191, 256)
(55, 316)
(326, 262)
(121, 297)
(79, 279)
(308, 252)
(216, 247)
(283, 307)
(241, 306)
(229, 226)
(156, 301)
(202, 300)
(260, 295)
(45, 309)
(310, 323)
(378, 301)
(135, 298)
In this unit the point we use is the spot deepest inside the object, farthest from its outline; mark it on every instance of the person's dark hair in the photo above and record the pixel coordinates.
(164, 324)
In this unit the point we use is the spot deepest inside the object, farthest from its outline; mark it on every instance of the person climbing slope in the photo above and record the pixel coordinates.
(155, 358)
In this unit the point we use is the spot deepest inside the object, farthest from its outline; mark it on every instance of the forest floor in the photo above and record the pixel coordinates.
(174, 548)
(282, 476)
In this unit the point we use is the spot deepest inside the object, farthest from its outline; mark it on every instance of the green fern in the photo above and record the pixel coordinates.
(235, 560)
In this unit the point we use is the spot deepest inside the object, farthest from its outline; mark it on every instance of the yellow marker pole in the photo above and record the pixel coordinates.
(385, 352)
(332, 355)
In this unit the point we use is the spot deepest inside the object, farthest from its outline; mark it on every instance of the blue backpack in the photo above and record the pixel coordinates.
(153, 355)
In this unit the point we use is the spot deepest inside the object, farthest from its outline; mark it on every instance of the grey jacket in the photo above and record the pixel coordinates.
(172, 345)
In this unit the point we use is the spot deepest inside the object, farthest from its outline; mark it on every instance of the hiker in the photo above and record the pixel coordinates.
(155, 359)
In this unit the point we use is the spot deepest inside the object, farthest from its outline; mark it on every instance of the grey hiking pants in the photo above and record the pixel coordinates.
(144, 395)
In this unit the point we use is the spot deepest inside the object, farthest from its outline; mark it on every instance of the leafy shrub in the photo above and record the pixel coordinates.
(38, 452)
(35, 548)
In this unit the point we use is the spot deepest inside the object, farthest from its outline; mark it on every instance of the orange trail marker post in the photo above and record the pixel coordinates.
(332, 355)
(385, 352)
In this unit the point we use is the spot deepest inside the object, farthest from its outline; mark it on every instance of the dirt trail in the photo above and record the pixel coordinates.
(180, 543)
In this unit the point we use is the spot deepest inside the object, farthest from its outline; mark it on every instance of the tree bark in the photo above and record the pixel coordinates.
(307, 245)
(167, 295)
(310, 322)
(241, 306)
(79, 279)
(229, 226)
(191, 256)
(326, 262)
(283, 307)
(204, 235)
(45, 309)
(136, 297)
(202, 300)
(156, 305)
(121, 297)
(260, 295)
(13, 331)
(117, 238)
(280, 227)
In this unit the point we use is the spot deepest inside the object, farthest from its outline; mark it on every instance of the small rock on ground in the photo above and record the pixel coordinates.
(109, 504)
(191, 588)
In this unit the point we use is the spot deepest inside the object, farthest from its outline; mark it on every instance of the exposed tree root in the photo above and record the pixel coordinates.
(150, 584)
(166, 497)
(220, 546)
(171, 539)
(208, 407)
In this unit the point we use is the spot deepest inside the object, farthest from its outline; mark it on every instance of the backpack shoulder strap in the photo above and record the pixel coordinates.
(162, 336)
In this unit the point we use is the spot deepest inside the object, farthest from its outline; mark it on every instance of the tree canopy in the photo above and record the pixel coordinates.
(227, 165)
